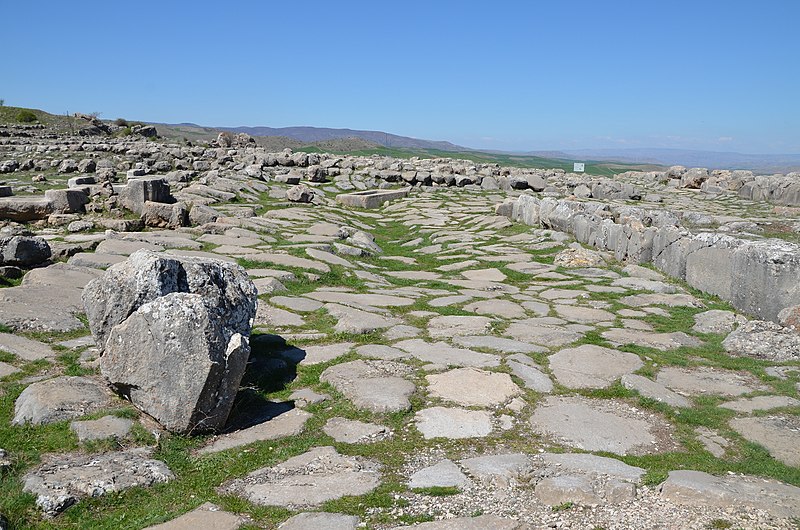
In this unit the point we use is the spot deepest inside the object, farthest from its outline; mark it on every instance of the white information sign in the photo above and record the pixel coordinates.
(578, 167)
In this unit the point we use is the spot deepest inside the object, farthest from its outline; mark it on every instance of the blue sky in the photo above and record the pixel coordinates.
(714, 75)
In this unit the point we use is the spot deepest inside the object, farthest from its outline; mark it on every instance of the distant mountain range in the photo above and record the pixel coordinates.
(685, 157)
(658, 156)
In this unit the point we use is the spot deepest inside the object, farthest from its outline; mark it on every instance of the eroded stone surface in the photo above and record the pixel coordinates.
(705, 380)
(354, 431)
(308, 480)
(378, 386)
(472, 387)
(58, 399)
(204, 516)
(454, 423)
(780, 435)
(595, 425)
(590, 366)
(64, 479)
(443, 474)
(696, 488)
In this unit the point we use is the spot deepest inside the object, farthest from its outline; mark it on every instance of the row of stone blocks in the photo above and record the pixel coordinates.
(759, 277)
(133, 196)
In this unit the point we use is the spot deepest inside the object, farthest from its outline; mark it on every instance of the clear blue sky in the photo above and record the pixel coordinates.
(526, 75)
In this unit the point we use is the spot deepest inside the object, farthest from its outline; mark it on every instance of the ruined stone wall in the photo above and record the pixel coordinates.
(757, 277)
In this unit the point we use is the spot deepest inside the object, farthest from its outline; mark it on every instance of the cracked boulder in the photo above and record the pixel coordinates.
(174, 335)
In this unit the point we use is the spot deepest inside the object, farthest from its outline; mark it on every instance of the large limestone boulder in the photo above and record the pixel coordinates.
(174, 335)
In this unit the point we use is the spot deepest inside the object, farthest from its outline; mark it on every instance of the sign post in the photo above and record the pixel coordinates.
(578, 167)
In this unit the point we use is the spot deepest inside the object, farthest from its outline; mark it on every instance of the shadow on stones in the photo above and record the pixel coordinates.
(271, 367)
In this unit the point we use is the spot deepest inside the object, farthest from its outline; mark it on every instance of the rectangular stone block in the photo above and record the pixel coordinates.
(370, 198)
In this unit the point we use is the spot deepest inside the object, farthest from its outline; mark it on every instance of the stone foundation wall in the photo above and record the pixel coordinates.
(757, 277)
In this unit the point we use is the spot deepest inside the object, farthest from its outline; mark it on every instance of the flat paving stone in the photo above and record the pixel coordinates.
(204, 516)
(583, 314)
(47, 300)
(95, 260)
(352, 320)
(124, 247)
(8, 369)
(381, 351)
(307, 480)
(780, 435)
(511, 466)
(443, 474)
(63, 479)
(484, 275)
(59, 399)
(598, 425)
(289, 261)
(498, 344)
(401, 331)
(296, 303)
(671, 300)
(269, 286)
(561, 294)
(532, 331)
(660, 341)
(472, 387)
(593, 465)
(353, 431)
(305, 396)
(325, 352)
(290, 423)
(25, 348)
(590, 366)
(361, 299)
(538, 308)
(444, 354)
(450, 326)
(453, 423)
(704, 380)
(644, 284)
(101, 429)
(284, 276)
(446, 301)
(328, 257)
(498, 308)
(378, 386)
(320, 521)
(748, 405)
(583, 490)
(414, 275)
(696, 488)
(267, 315)
(653, 390)
(712, 441)
(531, 377)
